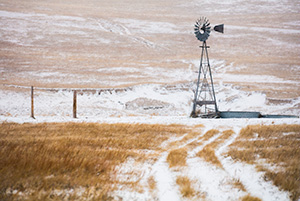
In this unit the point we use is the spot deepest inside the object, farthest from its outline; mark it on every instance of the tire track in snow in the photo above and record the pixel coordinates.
(252, 180)
(212, 180)
(216, 183)
(166, 185)
(193, 153)
(167, 188)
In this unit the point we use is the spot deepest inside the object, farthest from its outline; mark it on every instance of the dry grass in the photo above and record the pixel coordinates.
(36, 159)
(239, 185)
(199, 126)
(190, 136)
(177, 157)
(250, 198)
(196, 131)
(277, 144)
(203, 138)
(151, 183)
(268, 131)
(209, 134)
(193, 145)
(185, 187)
(224, 136)
(208, 152)
(187, 137)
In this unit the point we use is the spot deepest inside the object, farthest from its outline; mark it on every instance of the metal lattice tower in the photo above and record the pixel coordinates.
(205, 104)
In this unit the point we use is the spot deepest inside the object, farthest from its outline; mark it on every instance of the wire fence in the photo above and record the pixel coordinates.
(57, 101)
(38, 102)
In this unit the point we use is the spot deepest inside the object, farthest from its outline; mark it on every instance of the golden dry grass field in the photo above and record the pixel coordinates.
(277, 145)
(83, 161)
(38, 160)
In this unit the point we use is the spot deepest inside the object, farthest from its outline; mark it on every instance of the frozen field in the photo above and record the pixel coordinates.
(148, 49)
(104, 44)
(137, 61)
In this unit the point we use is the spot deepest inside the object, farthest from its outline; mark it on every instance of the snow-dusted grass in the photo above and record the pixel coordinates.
(270, 143)
(208, 152)
(250, 198)
(39, 159)
(177, 157)
(131, 160)
(185, 186)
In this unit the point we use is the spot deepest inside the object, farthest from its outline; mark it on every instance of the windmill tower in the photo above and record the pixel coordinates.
(205, 104)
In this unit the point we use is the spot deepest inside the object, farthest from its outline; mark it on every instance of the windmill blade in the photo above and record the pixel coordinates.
(202, 29)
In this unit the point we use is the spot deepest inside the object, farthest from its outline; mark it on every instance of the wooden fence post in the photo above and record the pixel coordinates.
(32, 103)
(74, 104)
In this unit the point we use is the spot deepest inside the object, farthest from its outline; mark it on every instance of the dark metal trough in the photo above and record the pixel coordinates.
(243, 114)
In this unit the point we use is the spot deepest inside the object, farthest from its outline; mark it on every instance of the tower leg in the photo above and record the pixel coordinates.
(193, 113)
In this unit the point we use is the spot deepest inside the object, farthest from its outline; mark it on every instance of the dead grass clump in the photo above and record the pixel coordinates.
(250, 198)
(38, 158)
(190, 136)
(185, 187)
(151, 183)
(173, 144)
(288, 180)
(177, 157)
(184, 140)
(193, 145)
(193, 135)
(208, 154)
(227, 133)
(267, 131)
(247, 155)
(224, 136)
(239, 185)
(199, 126)
(209, 134)
(278, 145)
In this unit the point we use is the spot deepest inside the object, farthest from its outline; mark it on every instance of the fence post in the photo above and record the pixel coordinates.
(32, 103)
(74, 104)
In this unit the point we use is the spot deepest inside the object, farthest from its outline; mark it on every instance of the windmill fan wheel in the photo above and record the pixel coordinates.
(202, 29)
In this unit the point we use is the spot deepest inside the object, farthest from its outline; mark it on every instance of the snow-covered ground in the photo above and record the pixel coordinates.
(143, 101)
(209, 182)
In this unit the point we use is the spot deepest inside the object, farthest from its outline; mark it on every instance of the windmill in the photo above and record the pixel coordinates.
(204, 103)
